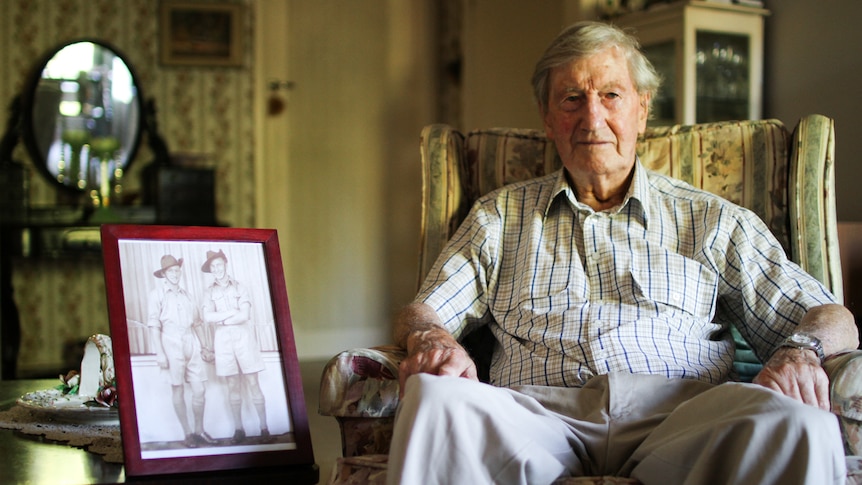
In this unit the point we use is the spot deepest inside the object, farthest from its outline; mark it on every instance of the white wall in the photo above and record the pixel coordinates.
(340, 169)
(503, 39)
(814, 65)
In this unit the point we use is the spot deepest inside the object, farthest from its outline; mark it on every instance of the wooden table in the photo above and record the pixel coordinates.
(34, 460)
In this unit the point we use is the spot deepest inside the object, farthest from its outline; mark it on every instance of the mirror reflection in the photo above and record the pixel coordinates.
(85, 114)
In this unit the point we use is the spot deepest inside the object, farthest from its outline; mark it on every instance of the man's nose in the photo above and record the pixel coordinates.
(595, 113)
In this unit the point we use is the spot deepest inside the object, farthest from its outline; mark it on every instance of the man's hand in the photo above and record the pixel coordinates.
(207, 355)
(430, 348)
(796, 373)
(439, 354)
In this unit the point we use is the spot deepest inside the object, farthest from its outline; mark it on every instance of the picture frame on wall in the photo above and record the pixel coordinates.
(206, 366)
(200, 34)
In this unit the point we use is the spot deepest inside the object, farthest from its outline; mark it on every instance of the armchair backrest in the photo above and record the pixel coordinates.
(787, 179)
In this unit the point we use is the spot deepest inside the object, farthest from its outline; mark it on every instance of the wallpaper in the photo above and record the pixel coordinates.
(203, 113)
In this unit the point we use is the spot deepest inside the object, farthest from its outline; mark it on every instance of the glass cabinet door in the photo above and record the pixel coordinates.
(722, 77)
(710, 57)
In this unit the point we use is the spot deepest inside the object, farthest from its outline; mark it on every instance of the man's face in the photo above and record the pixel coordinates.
(173, 274)
(595, 114)
(217, 268)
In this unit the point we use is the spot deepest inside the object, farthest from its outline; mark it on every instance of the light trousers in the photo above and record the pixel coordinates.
(451, 430)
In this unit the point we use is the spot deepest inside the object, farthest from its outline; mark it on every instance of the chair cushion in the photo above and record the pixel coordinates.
(501, 156)
(746, 162)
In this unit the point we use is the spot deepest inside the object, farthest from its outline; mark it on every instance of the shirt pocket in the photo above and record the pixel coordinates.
(547, 290)
(674, 282)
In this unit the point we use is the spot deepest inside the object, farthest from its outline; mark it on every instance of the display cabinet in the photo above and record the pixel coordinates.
(710, 55)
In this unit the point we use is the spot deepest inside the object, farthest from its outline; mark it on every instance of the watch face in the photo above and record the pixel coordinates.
(805, 341)
(802, 339)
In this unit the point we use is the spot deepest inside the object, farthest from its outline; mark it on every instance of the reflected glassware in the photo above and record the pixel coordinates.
(79, 92)
(104, 150)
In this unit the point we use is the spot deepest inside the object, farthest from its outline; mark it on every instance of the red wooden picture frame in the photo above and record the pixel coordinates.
(156, 357)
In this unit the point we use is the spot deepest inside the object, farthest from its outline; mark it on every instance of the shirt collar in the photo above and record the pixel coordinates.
(228, 281)
(169, 288)
(639, 191)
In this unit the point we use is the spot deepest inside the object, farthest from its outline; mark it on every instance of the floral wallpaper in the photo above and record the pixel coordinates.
(202, 112)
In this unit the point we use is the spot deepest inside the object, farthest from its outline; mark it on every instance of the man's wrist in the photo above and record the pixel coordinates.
(793, 354)
(804, 341)
(424, 336)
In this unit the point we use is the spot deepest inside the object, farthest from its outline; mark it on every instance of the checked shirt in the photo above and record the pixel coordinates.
(649, 287)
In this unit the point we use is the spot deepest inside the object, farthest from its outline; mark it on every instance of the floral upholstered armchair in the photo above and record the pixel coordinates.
(785, 177)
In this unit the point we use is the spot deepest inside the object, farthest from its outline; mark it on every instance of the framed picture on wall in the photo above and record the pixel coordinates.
(206, 367)
(200, 34)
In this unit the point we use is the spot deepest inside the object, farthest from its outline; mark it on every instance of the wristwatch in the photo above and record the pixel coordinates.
(806, 341)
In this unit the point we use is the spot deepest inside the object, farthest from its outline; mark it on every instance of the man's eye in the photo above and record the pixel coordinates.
(570, 101)
(612, 95)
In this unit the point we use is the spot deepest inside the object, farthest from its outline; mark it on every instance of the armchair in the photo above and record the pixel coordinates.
(786, 178)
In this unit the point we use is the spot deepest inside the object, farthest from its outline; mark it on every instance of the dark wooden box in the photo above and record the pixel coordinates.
(183, 195)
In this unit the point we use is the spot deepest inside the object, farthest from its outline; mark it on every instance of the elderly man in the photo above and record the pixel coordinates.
(609, 290)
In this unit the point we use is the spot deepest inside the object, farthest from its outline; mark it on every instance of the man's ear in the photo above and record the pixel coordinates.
(644, 111)
(543, 113)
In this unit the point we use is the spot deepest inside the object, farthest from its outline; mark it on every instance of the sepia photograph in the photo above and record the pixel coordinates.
(204, 345)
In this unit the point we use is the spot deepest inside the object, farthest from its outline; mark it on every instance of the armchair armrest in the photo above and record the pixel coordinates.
(845, 392)
(361, 383)
(359, 387)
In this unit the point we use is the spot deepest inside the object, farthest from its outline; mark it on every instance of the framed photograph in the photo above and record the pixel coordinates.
(200, 34)
(206, 367)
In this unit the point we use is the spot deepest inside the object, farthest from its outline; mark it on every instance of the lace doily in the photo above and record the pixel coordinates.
(101, 439)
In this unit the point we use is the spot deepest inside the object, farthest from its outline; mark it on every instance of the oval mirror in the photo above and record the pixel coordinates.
(82, 116)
